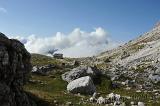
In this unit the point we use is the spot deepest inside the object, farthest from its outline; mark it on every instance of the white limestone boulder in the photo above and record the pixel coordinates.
(141, 104)
(83, 85)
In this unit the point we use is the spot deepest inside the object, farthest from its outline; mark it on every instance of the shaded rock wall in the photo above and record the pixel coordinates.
(15, 67)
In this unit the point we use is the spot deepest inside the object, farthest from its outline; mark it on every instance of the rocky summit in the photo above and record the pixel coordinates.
(15, 67)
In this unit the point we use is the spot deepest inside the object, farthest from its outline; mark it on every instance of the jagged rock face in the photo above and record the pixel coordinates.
(83, 85)
(15, 67)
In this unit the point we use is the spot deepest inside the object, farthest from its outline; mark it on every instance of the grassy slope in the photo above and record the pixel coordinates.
(54, 88)
(39, 60)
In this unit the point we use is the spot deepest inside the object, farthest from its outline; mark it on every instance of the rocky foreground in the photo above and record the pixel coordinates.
(15, 67)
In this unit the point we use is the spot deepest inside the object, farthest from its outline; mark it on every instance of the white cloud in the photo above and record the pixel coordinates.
(3, 10)
(78, 43)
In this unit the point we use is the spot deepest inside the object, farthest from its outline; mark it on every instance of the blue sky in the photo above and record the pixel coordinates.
(122, 19)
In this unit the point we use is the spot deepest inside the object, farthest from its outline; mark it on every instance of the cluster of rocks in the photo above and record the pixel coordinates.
(147, 74)
(43, 70)
(112, 100)
(137, 103)
(131, 79)
(80, 79)
(15, 67)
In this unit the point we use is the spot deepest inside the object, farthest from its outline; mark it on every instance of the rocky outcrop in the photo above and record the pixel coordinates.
(83, 85)
(43, 70)
(80, 71)
(15, 67)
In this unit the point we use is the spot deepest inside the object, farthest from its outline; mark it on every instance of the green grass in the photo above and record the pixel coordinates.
(39, 60)
(54, 89)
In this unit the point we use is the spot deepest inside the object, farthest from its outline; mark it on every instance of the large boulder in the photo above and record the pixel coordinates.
(15, 67)
(43, 70)
(83, 85)
(80, 71)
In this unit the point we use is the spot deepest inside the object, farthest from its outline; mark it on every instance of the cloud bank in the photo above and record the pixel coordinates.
(78, 43)
(3, 10)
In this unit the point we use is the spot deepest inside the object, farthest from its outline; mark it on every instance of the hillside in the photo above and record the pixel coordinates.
(133, 68)
(143, 48)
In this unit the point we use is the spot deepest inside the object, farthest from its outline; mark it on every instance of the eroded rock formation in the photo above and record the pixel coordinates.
(15, 67)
